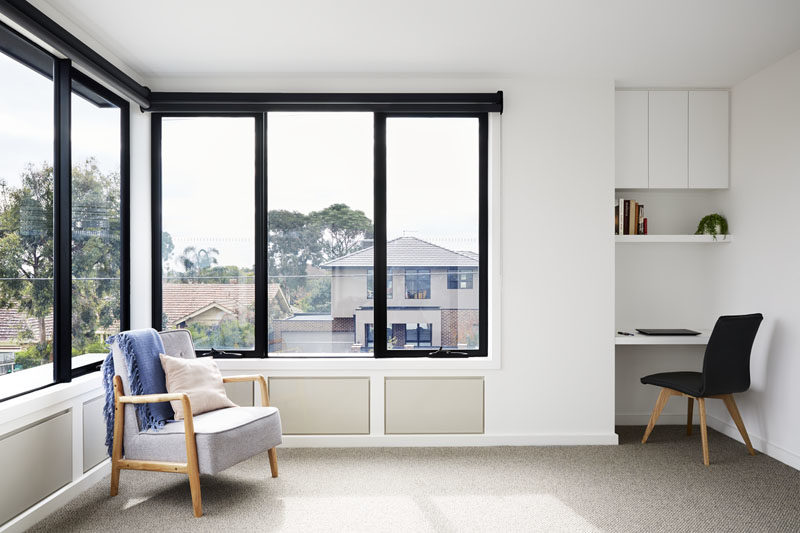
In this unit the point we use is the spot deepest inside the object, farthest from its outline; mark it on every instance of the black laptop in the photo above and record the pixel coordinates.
(651, 331)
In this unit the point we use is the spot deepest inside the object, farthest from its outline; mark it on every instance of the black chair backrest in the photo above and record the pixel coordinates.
(726, 365)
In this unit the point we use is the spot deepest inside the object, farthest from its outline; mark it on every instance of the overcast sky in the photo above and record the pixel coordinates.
(314, 160)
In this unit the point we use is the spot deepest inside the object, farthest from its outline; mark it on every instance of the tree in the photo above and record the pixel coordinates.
(167, 247)
(342, 230)
(26, 245)
(96, 254)
(194, 260)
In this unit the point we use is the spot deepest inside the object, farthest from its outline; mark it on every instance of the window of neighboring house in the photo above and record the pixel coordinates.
(419, 334)
(370, 334)
(418, 283)
(53, 206)
(371, 284)
(458, 278)
(208, 236)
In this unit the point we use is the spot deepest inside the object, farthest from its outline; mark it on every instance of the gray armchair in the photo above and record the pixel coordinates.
(202, 444)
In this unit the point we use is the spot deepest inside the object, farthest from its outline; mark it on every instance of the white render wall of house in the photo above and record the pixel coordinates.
(554, 384)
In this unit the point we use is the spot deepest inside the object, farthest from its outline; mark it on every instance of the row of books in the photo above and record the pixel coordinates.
(629, 218)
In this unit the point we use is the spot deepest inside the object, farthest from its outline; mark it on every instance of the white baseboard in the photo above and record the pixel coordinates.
(759, 443)
(55, 501)
(363, 441)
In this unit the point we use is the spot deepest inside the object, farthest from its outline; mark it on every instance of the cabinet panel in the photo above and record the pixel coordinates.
(94, 433)
(708, 139)
(321, 405)
(419, 405)
(34, 462)
(631, 139)
(668, 144)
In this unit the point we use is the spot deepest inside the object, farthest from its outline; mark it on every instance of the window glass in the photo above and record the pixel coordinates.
(432, 226)
(208, 230)
(371, 284)
(26, 227)
(96, 223)
(320, 232)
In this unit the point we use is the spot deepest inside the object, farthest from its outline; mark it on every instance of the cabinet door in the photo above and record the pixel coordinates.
(708, 139)
(669, 143)
(631, 139)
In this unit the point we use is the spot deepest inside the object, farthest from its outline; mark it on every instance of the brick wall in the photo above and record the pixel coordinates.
(457, 325)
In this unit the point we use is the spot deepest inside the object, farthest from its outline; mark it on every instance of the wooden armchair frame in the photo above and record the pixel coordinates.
(190, 467)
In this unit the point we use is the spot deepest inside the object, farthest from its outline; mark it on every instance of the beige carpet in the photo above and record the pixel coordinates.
(660, 486)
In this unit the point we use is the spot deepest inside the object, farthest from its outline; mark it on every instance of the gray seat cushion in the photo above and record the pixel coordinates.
(224, 438)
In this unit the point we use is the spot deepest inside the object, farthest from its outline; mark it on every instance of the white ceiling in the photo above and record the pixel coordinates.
(636, 42)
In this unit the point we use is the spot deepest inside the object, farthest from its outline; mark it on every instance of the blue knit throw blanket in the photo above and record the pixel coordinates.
(141, 349)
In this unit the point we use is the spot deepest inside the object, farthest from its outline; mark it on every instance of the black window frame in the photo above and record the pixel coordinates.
(383, 107)
(66, 81)
(371, 284)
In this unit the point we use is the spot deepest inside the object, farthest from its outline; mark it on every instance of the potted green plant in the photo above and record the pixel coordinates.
(713, 224)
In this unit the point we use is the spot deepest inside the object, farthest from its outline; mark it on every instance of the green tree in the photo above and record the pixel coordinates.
(194, 260)
(26, 246)
(96, 253)
(167, 247)
(341, 230)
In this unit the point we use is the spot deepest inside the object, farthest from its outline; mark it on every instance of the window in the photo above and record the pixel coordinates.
(418, 283)
(26, 221)
(319, 230)
(97, 306)
(338, 220)
(63, 194)
(371, 283)
(208, 233)
(439, 236)
(419, 334)
(458, 278)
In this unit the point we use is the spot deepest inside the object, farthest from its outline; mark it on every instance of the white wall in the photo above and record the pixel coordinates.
(556, 384)
(760, 270)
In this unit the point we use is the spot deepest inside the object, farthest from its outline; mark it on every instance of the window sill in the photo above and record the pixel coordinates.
(26, 404)
(337, 362)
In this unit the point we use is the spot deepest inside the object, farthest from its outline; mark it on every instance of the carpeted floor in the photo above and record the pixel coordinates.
(660, 486)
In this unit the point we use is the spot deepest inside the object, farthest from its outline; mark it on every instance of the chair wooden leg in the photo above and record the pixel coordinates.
(273, 462)
(192, 466)
(660, 403)
(730, 403)
(701, 404)
(116, 447)
(689, 415)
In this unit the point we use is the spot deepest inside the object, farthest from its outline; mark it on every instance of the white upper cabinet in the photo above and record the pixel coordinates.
(669, 136)
(631, 140)
(708, 139)
(672, 139)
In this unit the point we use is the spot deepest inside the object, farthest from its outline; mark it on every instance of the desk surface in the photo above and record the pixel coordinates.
(639, 339)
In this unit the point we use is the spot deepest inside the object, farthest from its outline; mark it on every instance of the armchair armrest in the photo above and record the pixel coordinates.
(154, 398)
(255, 377)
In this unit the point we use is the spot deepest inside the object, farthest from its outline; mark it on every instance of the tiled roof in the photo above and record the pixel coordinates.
(408, 252)
(12, 322)
(183, 299)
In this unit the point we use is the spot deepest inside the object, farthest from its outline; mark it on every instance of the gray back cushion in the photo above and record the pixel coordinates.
(178, 343)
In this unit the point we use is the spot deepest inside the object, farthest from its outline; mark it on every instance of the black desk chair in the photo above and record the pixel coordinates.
(726, 370)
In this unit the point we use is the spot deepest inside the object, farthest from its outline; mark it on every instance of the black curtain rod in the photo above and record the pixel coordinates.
(44, 28)
(188, 102)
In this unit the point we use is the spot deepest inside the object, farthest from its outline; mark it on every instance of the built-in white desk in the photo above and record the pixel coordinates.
(637, 339)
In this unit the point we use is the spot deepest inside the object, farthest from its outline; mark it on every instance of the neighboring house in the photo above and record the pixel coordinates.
(207, 304)
(17, 331)
(432, 300)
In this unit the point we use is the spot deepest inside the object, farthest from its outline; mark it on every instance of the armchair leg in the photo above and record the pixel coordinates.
(730, 403)
(660, 403)
(273, 462)
(701, 404)
(116, 447)
(689, 415)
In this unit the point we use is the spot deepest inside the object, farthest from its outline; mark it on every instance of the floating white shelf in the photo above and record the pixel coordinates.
(696, 239)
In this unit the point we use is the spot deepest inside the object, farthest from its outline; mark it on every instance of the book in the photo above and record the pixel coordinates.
(616, 217)
(626, 218)
(644, 224)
